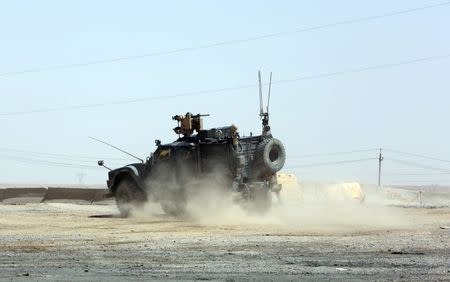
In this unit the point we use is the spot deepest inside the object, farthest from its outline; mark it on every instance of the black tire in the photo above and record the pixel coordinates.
(271, 155)
(128, 196)
(174, 203)
(174, 208)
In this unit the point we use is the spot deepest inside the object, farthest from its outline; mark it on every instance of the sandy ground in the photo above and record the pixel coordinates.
(87, 242)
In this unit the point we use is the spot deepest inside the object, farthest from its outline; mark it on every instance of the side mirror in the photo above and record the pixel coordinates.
(102, 163)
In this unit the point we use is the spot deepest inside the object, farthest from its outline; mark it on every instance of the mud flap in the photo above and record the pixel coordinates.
(255, 197)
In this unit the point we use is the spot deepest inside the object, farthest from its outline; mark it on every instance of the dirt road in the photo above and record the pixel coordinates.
(84, 242)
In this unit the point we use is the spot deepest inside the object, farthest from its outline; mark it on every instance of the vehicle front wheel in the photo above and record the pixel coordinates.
(128, 196)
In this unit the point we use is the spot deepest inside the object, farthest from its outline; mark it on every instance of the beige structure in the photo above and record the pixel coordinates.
(345, 191)
(293, 191)
(290, 187)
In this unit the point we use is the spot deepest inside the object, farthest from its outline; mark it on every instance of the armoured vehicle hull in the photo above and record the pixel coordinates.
(217, 158)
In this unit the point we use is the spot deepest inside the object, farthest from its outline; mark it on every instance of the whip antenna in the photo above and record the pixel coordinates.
(261, 110)
(264, 115)
(123, 151)
(268, 95)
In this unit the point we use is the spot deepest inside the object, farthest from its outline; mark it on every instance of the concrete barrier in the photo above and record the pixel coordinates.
(385, 195)
(2, 193)
(403, 197)
(24, 195)
(103, 196)
(433, 199)
(71, 195)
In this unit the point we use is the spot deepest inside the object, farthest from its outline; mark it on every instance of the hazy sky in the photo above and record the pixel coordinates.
(401, 108)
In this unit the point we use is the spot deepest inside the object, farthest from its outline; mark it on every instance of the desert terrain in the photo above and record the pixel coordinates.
(63, 241)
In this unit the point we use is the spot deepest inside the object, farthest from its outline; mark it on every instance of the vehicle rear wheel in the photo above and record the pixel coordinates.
(174, 203)
(128, 196)
(261, 201)
(174, 208)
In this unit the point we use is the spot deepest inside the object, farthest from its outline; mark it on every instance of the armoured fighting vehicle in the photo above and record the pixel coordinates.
(216, 158)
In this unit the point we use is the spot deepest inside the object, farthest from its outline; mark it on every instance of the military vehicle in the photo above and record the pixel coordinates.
(217, 158)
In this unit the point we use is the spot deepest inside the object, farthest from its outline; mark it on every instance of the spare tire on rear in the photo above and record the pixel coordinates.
(270, 155)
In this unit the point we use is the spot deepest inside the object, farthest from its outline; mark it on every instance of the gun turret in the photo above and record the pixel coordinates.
(188, 123)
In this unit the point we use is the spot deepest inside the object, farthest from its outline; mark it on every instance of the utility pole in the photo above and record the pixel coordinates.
(380, 159)
(80, 177)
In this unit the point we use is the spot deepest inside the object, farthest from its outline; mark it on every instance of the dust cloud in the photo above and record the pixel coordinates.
(302, 209)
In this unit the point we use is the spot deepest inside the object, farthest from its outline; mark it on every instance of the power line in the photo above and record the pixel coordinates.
(429, 182)
(368, 68)
(130, 101)
(333, 153)
(418, 155)
(221, 91)
(48, 163)
(70, 157)
(419, 174)
(414, 164)
(229, 42)
(330, 163)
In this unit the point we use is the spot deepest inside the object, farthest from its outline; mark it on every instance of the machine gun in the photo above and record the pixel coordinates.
(188, 123)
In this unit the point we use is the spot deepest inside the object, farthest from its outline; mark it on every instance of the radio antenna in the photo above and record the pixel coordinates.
(268, 95)
(123, 151)
(261, 110)
(264, 115)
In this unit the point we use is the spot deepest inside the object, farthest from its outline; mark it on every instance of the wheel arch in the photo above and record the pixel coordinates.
(124, 173)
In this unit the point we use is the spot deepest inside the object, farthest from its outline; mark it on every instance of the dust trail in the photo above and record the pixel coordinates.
(308, 212)
(308, 216)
